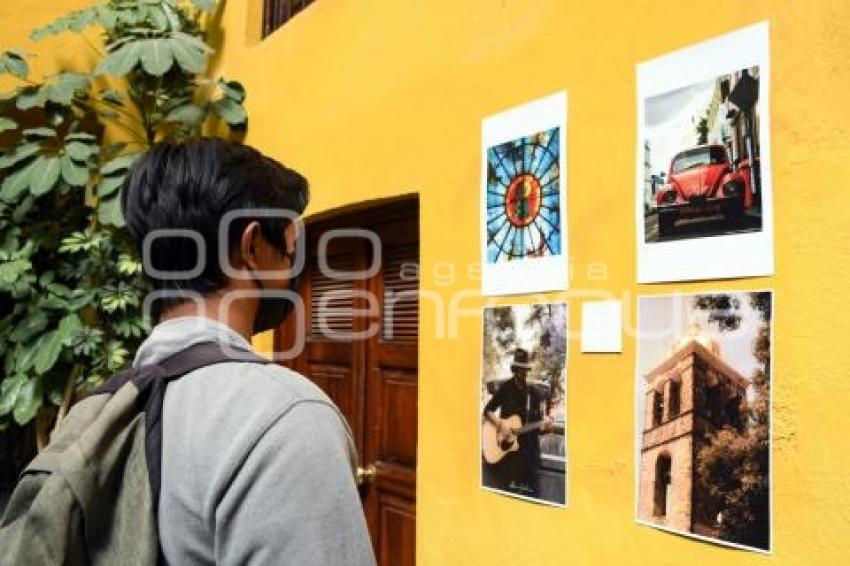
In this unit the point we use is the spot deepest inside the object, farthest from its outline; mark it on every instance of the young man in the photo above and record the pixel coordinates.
(256, 460)
(517, 472)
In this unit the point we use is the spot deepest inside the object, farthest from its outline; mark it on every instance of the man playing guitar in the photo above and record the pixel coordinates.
(517, 469)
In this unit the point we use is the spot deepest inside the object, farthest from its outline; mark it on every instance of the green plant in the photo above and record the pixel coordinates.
(71, 285)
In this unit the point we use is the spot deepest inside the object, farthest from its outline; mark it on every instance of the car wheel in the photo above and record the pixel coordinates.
(665, 223)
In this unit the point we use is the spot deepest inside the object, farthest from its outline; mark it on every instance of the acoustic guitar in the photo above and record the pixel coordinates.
(495, 445)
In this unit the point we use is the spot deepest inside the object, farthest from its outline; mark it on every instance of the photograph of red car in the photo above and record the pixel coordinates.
(701, 159)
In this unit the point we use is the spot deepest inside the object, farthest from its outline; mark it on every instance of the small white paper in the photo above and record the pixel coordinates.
(602, 327)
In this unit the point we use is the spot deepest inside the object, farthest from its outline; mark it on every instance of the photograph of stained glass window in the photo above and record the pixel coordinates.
(523, 200)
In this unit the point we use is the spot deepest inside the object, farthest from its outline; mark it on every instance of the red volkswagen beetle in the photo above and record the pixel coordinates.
(703, 182)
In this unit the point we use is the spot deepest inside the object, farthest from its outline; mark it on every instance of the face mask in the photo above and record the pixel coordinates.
(272, 311)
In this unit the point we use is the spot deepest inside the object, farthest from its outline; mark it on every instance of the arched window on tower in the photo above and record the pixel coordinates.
(657, 407)
(662, 484)
(675, 402)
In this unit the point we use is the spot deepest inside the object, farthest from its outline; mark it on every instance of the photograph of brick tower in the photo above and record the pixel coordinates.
(703, 409)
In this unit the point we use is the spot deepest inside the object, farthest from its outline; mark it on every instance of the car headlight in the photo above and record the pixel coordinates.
(670, 196)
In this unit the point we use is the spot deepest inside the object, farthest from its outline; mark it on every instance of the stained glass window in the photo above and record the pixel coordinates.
(523, 198)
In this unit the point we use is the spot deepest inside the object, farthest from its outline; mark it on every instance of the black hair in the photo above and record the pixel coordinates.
(192, 186)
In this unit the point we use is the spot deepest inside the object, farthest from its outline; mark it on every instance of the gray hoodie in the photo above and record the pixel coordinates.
(256, 462)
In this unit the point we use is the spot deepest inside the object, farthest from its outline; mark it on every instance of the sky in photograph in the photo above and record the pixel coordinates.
(671, 120)
(665, 320)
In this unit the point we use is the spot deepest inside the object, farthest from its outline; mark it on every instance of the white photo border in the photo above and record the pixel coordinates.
(638, 426)
(567, 428)
(550, 273)
(715, 257)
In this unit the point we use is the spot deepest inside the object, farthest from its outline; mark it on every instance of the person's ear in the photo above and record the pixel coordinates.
(249, 245)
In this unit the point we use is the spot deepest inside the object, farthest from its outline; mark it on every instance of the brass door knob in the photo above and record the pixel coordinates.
(367, 474)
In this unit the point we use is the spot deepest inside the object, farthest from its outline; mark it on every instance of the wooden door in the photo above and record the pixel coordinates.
(361, 348)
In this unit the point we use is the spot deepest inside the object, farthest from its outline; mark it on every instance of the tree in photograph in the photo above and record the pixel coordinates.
(499, 338)
(702, 129)
(71, 285)
(553, 346)
(734, 468)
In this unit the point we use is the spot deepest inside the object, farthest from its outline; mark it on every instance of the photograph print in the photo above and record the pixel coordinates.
(703, 416)
(702, 159)
(523, 402)
(523, 200)
(705, 201)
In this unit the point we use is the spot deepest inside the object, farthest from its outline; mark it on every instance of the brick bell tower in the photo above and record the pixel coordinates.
(690, 394)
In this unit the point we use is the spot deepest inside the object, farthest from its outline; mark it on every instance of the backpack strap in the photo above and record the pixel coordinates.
(204, 354)
(152, 380)
(180, 363)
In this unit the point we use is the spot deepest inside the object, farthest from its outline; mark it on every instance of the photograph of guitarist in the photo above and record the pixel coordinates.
(517, 471)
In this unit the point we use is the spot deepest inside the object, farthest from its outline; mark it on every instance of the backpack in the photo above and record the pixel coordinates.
(90, 497)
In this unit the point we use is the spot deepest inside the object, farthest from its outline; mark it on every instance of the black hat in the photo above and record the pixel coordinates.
(521, 359)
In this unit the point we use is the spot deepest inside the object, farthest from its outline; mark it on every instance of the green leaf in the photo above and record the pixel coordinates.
(80, 151)
(53, 303)
(7, 124)
(81, 136)
(40, 133)
(79, 300)
(109, 212)
(156, 16)
(188, 113)
(25, 355)
(60, 93)
(21, 152)
(45, 174)
(121, 61)
(119, 163)
(23, 208)
(189, 57)
(232, 112)
(13, 62)
(116, 355)
(74, 174)
(11, 271)
(106, 16)
(48, 351)
(195, 42)
(232, 89)
(109, 185)
(31, 325)
(156, 56)
(46, 278)
(59, 289)
(9, 390)
(31, 98)
(206, 5)
(28, 402)
(16, 183)
(171, 16)
(128, 266)
(68, 327)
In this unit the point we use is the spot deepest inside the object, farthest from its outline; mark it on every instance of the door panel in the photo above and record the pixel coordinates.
(398, 528)
(374, 378)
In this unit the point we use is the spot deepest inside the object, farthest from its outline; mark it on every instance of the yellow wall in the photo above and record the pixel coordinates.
(379, 98)
(19, 17)
(372, 99)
